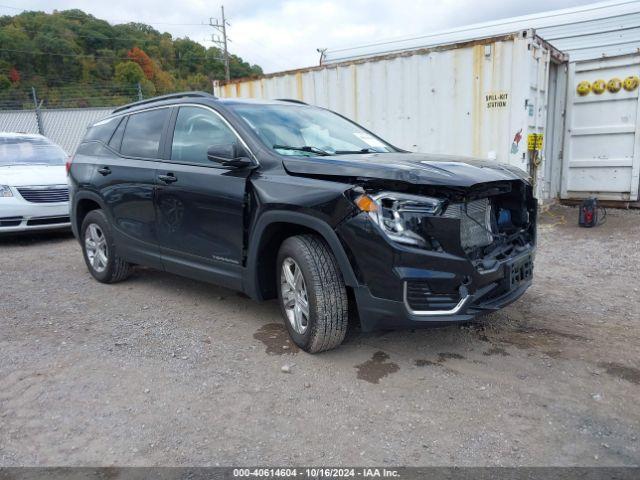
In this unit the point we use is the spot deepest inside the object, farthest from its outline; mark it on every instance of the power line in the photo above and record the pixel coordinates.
(89, 55)
(99, 37)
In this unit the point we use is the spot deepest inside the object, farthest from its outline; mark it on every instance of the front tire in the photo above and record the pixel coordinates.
(99, 250)
(312, 293)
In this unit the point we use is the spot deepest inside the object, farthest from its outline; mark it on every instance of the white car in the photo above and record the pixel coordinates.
(33, 184)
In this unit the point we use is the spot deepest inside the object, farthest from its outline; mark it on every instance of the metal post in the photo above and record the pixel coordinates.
(37, 110)
(140, 92)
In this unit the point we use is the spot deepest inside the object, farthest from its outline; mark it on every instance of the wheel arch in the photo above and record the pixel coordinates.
(268, 234)
(83, 203)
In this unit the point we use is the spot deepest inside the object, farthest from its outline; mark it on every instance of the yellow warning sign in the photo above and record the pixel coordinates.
(598, 86)
(535, 141)
(630, 83)
(584, 87)
(614, 85)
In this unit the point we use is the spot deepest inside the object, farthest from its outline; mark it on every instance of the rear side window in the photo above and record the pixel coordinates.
(102, 130)
(116, 139)
(142, 133)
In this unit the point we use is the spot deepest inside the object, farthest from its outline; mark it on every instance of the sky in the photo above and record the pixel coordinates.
(284, 34)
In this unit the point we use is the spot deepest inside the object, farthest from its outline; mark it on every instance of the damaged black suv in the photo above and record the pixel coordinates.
(279, 199)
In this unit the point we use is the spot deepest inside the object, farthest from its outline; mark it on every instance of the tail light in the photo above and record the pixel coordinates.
(68, 164)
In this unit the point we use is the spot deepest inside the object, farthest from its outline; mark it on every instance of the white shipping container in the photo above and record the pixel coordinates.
(602, 137)
(481, 98)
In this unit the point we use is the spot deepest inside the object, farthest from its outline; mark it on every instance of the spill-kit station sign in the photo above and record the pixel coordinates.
(497, 99)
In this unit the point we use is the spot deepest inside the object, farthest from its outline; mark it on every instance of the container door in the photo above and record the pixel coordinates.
(602, 140)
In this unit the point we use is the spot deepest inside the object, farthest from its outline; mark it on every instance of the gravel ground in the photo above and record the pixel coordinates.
(161, 370)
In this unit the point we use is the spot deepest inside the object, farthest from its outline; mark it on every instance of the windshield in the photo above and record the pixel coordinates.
(19, 150)
(309, 131)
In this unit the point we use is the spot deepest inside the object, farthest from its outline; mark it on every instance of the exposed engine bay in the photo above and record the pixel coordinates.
(486, 223)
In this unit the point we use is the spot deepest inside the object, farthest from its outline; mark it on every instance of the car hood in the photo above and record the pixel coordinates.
(416, 168)
(25, 175)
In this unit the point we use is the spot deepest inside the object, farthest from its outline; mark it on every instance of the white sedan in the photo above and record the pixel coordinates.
(33, 184)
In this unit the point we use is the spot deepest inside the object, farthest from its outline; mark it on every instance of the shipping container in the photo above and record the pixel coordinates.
(506, 90)
(602, 136)
(487, 98)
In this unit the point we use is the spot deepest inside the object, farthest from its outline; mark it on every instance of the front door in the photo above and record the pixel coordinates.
(200, 206)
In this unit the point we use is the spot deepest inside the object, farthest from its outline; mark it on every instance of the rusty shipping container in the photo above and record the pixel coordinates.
(486, 98)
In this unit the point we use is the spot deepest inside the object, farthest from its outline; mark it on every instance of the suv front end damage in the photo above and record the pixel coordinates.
(430, 255)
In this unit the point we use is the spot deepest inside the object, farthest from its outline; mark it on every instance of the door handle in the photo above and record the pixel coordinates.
(104, 171)
(168, 178)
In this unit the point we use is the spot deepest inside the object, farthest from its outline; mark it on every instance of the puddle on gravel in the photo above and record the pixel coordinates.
(528, 337)
(442, 358)
(376, 368)
(629, 374)
(276, 339)
(496, 351)
(421, 362)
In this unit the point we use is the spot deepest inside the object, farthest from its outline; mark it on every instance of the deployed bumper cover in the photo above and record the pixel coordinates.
(404, 287)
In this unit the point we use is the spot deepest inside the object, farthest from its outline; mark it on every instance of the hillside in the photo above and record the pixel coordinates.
(73, 59)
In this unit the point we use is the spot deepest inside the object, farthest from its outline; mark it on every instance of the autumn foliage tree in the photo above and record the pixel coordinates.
(73, 59)
(14, 75)
(141, 58)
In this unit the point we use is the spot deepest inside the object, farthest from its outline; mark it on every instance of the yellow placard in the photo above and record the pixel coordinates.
(614, 85)
(598, 86)
(535, 141)
(584, 87)
(630, 83)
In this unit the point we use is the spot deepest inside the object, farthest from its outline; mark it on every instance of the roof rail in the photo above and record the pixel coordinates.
(164, 97)
(291, 100)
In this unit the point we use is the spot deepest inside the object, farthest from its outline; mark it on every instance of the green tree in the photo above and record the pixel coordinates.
(5, 83)
(128, 73)
(164, 82)
(76, 59)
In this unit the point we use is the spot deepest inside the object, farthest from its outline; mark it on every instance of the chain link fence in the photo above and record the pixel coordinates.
(69, 96)
(62, 114)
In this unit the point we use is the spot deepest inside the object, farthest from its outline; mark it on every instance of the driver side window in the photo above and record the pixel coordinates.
(196, 130)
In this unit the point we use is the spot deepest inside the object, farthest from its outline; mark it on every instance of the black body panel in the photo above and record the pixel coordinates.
(221, 224)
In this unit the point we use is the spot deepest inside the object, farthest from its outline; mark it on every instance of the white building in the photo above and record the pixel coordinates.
(506, 90)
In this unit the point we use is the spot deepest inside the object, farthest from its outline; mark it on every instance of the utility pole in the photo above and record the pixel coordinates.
(221, 27)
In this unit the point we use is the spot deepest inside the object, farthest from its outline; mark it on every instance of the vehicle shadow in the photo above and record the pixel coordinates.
(411, 343)
(25, 239)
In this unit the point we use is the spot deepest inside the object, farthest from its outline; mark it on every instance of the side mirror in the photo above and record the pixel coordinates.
(229, 155)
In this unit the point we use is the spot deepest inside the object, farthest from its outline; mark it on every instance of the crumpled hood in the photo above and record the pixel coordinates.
(25, 175)
(416, 168)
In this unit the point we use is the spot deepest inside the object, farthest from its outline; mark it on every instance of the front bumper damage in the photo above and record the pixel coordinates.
(404, 287)
(380, 313)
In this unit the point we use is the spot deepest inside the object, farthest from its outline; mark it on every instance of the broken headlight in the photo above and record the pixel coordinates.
(401, 216)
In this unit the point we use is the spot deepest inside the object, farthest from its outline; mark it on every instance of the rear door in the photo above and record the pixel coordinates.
(199, 205)
(127, 181)
(602, 139)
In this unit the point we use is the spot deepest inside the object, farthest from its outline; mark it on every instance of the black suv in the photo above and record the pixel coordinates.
(283, 199)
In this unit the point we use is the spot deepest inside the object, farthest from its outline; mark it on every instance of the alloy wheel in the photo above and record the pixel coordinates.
(294, 295)
(95, 244)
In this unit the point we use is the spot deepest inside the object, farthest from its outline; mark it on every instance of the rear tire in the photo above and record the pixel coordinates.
(312, 293)
(99, 250)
